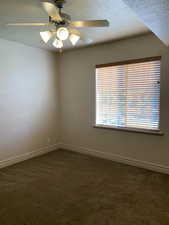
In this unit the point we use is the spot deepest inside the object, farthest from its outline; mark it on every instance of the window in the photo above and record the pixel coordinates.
(128, 94)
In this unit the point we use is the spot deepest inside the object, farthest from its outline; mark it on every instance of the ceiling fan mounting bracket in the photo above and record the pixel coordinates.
(60, 3)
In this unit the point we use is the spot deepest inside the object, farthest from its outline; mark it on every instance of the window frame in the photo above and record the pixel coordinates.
(128, 129)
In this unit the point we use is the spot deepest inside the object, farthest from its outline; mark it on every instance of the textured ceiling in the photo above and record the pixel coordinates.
(123, 22)
(154, 14)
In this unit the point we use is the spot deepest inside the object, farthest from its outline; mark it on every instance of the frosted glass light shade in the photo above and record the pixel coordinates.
(57, 43)
(62, 33)
(74, 38)
(46, 35)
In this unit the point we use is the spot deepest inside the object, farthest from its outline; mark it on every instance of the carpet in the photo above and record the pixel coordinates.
(66, 188)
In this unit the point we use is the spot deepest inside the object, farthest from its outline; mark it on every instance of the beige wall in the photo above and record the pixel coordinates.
(77, 101)
(28, 99)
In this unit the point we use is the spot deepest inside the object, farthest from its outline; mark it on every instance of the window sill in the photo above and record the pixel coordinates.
(135, 130)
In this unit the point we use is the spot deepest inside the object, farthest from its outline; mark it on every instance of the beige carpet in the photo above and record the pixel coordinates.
(65, 188)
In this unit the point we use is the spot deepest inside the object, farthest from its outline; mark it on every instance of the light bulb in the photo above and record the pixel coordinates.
(46, 36)
(58, 43)
(74, 38)
(62, 33)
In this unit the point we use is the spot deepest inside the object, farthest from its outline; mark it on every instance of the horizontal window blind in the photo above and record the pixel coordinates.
(128, 95)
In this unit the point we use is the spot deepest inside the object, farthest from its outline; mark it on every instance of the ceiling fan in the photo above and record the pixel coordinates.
(64, 27)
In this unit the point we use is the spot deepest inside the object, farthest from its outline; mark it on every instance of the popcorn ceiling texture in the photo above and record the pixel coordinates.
(154, 14)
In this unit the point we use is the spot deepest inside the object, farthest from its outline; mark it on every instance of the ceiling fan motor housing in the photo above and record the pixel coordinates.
(66, 19)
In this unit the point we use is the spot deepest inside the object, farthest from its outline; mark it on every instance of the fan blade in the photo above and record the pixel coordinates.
(90, 23)
(28, 24)
(74, 31)
(52, 11)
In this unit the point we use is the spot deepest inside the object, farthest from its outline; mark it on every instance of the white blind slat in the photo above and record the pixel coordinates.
(129, 95)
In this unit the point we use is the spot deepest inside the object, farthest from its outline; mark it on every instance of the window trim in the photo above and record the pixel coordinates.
(128, 129)
(141, 60)
(135, 130)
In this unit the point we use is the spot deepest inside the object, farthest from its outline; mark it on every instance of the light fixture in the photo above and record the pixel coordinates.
(74, 38)
(58, 43)
(62, 33)
(46, 35)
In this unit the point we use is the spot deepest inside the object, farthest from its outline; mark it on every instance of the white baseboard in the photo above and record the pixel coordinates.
(88, 151)
(28, 155)
(117, 158)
